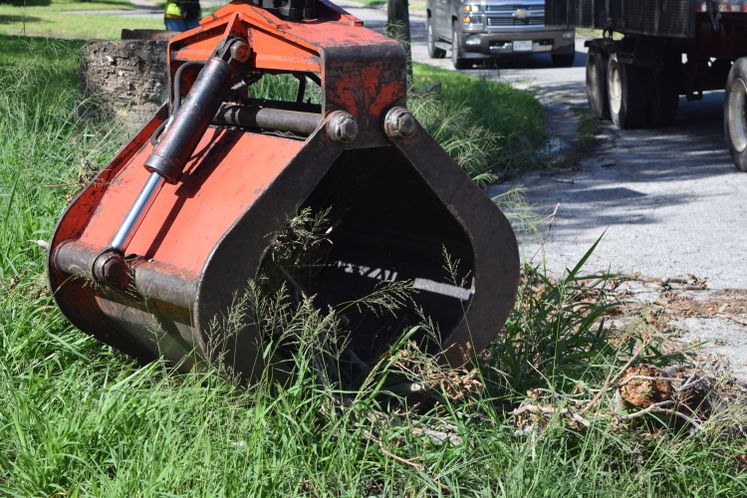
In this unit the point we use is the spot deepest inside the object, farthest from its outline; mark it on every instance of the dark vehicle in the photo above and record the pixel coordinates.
(478, 29)
(670, 48)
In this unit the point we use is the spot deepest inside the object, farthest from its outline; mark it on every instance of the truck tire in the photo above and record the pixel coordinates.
(456, 49)
(628, 88)
(735, 113)
(665, 98)
(563, 60)
(596, 83)
(433, 51)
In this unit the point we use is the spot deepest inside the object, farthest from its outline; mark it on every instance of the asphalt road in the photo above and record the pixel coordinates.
(666, 202)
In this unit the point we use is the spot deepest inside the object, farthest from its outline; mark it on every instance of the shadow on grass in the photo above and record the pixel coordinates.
(16, 19)
(26, 3)
(82, 3)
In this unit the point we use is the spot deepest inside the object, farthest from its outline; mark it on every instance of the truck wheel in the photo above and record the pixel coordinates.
(735, 113)
(456, 49)
(433, 51)
(563, 60)
(665, 99)
(596, 83)
(627, 89)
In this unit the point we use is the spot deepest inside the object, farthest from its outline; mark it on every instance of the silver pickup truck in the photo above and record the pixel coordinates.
(478, 29)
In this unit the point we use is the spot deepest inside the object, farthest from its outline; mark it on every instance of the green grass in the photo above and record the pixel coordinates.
(79, 419)
(596, 33)
(72, 5)
(488, 127)
(55, 18)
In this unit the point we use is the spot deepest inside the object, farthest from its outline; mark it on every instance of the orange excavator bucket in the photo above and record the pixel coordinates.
(156, 249)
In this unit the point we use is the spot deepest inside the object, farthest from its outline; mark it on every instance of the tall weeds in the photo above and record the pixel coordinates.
(556, 336)
(488, 127)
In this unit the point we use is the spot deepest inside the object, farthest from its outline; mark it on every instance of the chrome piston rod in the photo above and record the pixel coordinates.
(180, 139)
(137, 212)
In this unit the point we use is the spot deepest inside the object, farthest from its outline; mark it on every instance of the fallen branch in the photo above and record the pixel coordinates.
(399, 458)
(664, 408)
(405, 461)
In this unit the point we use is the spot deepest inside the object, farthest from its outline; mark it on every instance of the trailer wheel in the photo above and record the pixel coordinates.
(433, 51)
(456, 49)
(596, 83)
(735, 113)
(627, 89)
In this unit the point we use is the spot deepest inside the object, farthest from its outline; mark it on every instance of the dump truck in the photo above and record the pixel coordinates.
(154, 252)
(668, 49)
(475, 30)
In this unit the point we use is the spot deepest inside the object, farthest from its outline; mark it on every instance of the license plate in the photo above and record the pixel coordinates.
(523, 46)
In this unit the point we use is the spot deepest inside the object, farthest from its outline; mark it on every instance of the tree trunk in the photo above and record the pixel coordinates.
(124, 79)
(398, 27)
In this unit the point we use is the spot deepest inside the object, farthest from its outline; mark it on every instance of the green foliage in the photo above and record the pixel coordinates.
(556, 337)
(79, 419)
(487, 127)
(283, 87)
(44, 147)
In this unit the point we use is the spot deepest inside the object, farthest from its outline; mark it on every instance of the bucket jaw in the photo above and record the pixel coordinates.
(157, 248)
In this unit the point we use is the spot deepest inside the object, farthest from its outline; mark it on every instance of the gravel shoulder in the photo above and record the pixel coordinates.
(667, 202)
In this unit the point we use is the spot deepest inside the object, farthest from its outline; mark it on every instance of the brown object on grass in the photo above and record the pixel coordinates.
(643, 385)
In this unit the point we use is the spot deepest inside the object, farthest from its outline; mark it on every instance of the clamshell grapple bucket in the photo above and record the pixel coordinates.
(156, 249)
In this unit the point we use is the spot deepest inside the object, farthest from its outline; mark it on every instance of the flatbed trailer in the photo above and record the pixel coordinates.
(669, 48)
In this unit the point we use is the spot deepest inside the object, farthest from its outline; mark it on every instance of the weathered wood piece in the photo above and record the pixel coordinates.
(124, 79)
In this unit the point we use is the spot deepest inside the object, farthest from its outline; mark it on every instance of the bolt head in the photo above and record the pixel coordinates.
(110, 268)
(399, 123)
(240, 51)
(114, 269)
(342, 127)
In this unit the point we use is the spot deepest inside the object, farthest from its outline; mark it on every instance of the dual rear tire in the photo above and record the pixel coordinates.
(635, 97)
(626, 90)
(596, 83)
(631, 96)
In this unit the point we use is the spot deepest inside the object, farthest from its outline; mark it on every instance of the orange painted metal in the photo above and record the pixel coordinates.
(231, 172)
(358, 81)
